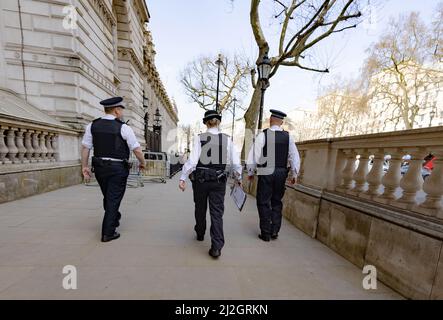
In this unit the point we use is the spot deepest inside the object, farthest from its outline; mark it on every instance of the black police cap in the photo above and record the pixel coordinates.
(278, 114)
(113, 102)
(211, 114)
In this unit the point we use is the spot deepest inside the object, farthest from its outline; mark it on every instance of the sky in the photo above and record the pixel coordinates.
(183, 30)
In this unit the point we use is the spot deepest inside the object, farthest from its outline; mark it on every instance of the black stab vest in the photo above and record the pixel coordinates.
(107, 139)
(213, 151)
(276, 142)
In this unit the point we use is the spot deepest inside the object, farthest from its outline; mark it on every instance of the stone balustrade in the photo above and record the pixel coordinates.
(356, 166)
(20, 145)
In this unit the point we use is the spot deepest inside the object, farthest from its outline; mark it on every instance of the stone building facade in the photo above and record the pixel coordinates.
(58, 59)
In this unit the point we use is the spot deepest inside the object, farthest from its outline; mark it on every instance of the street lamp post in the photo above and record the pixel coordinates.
(233, 117)
(219, 63)
(264, 70)
(158, 129)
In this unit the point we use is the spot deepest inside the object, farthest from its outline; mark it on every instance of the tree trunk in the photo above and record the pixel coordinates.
(251, 120)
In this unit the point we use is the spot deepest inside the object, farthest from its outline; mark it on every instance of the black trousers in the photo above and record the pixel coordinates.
(214, 193)
(270, 191)
(112, 179)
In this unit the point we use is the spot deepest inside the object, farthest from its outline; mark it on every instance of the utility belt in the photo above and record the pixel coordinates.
(100, 162)
(202, 174)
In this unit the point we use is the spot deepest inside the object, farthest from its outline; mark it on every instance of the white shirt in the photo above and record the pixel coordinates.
(126, 132)
(233, 157)
(293, 155)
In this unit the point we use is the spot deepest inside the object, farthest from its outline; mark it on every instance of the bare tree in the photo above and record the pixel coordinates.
(199, 79)
(401, 72)
(340, 108)
(303, 24)
(437, 31)
(187, 133)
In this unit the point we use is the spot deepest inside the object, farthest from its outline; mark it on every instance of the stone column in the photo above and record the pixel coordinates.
(20, 146)
(348, 171)
(36, 146)
(391, 180)
(28, 145)
(49, 147)
(54, 144)
(10, 142)
(44, 150)
(3, 148)
(374, 177)
(361, 172)
(412, 181)
(339, 168)
(433, 186)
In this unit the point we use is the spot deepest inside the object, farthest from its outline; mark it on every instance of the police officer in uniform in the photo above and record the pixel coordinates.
(270, 154)
(112, 140)
(207, 168)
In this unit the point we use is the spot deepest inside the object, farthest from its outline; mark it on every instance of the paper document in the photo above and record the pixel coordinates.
(238, 196)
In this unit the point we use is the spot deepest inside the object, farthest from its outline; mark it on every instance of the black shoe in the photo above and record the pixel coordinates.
(106, 238)
(264, 237)
(274, 236)
(215, 253)
(200, 237)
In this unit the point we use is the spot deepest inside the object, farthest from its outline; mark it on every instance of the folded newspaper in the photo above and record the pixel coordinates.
(238, 196)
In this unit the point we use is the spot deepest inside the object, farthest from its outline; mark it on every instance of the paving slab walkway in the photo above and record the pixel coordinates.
(157, 256)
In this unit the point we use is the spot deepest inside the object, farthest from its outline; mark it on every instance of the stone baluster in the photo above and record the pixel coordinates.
(3, 148)
(44, 150)
(348, 171)
(433, 187)
(374, 176)
(20, 145)
(359, 175)
(338, 171)
(54, 144)
(49, 147)
(36, 146)
(10, 142)
(412, 181)
(391, 180)
(28, 145)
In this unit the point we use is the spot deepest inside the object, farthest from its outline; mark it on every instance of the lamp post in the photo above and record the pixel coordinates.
(219, 63)
(233, 118)
(264, 69)
(147, 138)
(158, 128)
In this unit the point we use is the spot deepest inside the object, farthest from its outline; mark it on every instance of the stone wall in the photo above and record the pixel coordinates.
(24, 183)
(67, 71)
(403, 246)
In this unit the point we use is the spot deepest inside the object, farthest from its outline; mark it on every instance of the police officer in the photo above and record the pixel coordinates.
(270, 154)
(206, 165)
(112, 141)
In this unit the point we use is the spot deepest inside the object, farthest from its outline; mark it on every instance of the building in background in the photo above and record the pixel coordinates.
(58, 59)
(385, 109)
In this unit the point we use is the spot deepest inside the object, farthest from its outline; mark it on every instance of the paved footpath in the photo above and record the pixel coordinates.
(157, 256)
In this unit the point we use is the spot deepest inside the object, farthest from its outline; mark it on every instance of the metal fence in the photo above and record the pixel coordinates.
(158, 168)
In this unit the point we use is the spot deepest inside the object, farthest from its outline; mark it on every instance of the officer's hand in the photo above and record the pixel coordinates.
(293, 180)
(251, 178)
(86, 171)
(142, 166)
(182, 185)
